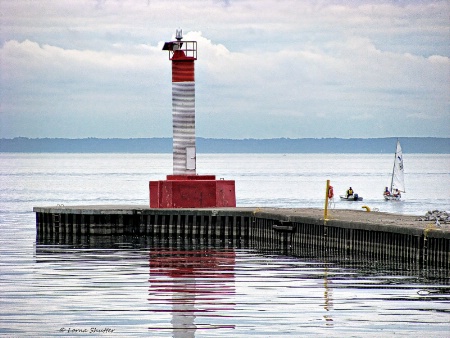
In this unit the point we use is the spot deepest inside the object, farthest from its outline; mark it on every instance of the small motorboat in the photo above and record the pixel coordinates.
(354, 197)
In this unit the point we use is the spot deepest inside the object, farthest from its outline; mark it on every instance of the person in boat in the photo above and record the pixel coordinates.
(349, 192)
(397, 193)
(386, 192)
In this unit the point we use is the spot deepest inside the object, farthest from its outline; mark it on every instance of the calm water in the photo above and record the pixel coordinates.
(132, 288)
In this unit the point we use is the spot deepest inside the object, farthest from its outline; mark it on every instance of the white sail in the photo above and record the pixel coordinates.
(398, 180)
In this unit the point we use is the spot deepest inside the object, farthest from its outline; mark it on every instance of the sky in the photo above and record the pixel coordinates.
(265, 68)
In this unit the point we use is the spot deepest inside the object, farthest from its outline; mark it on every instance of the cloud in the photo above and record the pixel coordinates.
(29, 59)
(264, 68)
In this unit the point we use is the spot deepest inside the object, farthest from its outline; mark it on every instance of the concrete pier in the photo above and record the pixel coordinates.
(344, 235)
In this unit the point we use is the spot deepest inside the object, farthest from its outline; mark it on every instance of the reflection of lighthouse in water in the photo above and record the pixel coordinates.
(196, 284)
(183, 312)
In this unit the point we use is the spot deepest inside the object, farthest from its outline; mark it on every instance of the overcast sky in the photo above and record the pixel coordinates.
(265, 69)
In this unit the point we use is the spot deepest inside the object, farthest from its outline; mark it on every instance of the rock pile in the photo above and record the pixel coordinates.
(439, 217)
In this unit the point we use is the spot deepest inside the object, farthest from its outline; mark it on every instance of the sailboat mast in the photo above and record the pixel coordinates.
(393, 168)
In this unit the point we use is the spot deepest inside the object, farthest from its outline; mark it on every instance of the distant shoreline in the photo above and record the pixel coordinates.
(425, 145)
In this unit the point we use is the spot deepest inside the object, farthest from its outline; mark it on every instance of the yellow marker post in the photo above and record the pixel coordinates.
(325, 213)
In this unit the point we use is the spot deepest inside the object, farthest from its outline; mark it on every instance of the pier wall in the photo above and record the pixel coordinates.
(391, 239)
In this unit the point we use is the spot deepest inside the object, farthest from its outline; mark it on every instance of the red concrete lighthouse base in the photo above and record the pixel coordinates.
(192, 191)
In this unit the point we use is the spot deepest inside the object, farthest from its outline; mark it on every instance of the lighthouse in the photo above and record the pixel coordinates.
(184, 188)
(183, 55)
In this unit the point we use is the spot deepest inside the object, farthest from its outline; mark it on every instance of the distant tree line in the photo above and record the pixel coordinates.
(430, 145)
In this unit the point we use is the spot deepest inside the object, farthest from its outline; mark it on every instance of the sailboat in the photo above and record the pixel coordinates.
(397, 179)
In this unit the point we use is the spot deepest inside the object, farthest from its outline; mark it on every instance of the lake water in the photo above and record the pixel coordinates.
(135, 289)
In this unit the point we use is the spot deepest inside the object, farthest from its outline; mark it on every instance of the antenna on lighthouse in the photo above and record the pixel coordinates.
(179, 34)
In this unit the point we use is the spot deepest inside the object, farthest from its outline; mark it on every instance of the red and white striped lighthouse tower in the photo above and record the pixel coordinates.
(186, 189)
(183, 54)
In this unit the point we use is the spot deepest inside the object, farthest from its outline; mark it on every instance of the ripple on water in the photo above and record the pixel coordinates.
(205, 291)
